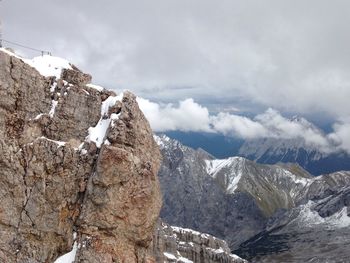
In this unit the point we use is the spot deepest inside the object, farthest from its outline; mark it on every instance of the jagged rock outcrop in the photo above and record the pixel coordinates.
(175, 244)
(74, 159)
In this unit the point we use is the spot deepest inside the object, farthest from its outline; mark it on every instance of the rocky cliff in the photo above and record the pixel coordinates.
(175, 244)
(78, 167)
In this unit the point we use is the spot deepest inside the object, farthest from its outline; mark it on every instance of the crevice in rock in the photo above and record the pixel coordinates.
(28, 189)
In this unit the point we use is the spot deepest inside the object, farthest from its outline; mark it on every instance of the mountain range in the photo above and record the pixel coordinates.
(272, 150)
(241, 201)
(267, 150)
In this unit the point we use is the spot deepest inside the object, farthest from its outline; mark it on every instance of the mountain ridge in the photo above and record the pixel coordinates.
(233, 198)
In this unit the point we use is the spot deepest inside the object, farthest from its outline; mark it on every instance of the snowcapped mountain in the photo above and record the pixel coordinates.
(274, 150)
(233, 198)
(296, 150)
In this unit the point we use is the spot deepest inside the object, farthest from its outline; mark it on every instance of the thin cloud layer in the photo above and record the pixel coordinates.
(188, 115)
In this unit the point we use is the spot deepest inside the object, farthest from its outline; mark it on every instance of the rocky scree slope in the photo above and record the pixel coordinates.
(78, 166)
(234, 198)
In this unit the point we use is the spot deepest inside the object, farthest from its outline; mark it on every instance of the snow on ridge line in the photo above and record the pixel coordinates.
(8, 52)
(46, 65)
(49, 66)
(213, 166)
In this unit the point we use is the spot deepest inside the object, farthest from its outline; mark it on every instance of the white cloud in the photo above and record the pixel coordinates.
(190, 116)
(281, 127)
(239, 126)
(341, 136)
(186, 116)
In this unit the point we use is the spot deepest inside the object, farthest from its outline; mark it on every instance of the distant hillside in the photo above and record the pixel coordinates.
(217, 145)
(246, 204)
(266, 151)
(271, 151)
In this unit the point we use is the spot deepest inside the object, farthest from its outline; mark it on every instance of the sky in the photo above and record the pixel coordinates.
(237, 67)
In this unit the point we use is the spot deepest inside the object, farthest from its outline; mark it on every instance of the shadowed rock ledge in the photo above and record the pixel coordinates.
(78, 169)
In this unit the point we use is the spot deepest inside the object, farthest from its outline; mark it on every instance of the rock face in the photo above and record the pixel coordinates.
(175, 244)
(74, 159)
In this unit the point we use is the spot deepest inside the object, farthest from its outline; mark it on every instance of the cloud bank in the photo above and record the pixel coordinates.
(188, 115)
(289, 55)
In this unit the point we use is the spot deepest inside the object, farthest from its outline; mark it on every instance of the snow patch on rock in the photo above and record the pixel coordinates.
(69, 257)
(310, 217)
(98, 133)
(53, 108)
(236, 164)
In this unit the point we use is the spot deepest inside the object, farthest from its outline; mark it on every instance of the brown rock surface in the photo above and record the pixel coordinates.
(55, 181)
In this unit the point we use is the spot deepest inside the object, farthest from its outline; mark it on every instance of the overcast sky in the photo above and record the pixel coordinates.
(229, 56)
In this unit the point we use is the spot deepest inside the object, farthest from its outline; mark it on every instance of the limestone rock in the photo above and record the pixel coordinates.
(123, 197)
(56, 180)
(175, 244)
(75, 76)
